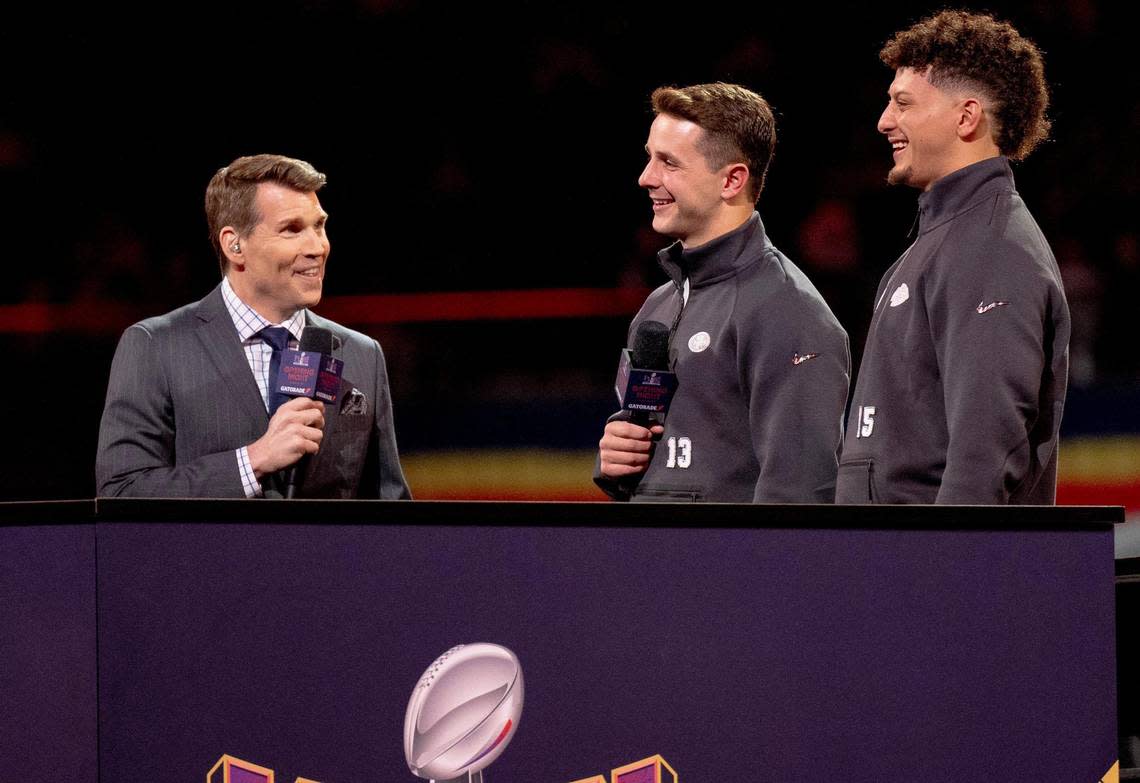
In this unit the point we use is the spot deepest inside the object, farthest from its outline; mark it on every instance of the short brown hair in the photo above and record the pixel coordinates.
(977, 52)
(231, 196)
(738, 125)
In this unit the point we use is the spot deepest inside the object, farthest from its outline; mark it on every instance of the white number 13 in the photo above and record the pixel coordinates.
(680, 453)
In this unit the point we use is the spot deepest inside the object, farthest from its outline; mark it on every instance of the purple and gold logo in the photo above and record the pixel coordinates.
(230, 769)
(651, 770)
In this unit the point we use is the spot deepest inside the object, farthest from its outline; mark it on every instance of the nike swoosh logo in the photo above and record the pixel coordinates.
(985, 308)
(797, 359)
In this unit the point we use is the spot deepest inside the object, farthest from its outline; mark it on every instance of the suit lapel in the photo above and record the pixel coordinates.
(220, 340)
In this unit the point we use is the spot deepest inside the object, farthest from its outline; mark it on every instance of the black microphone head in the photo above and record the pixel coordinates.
(314, 338)
(650, 349)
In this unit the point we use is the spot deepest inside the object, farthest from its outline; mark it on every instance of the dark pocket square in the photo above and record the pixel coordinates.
(355, 403)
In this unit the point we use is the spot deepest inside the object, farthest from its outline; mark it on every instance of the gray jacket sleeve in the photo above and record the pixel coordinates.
(796, 372)
(987, 313)
(136, 453)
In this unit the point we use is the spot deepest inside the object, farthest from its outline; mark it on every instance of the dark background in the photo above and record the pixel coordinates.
(491, 147)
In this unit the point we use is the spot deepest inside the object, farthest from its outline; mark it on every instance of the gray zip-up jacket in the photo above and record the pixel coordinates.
(963, 377)
(763, 369)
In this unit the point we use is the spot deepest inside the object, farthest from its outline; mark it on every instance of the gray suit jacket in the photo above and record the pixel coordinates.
(181, 399)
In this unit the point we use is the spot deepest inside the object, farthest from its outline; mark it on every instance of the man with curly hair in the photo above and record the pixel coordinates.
(964, 372)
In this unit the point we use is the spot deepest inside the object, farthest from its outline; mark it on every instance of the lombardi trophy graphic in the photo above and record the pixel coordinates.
(463, 712)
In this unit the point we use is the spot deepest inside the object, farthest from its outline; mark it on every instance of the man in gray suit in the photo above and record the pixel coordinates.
(190, 410)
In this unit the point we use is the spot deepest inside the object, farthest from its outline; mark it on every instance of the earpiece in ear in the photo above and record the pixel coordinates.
(236, 247)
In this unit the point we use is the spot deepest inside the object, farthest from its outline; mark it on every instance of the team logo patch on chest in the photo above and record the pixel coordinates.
(901, 294)
(699, 341)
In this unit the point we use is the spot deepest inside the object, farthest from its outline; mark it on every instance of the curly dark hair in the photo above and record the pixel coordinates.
(978, 52)
(737, 122)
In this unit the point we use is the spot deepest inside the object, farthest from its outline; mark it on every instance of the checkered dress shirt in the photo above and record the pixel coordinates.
(258, 353)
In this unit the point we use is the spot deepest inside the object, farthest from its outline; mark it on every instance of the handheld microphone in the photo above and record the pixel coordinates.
(313, 372)
(644, 384)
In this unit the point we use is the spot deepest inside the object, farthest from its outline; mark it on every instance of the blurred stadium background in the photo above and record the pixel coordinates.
(486, 222)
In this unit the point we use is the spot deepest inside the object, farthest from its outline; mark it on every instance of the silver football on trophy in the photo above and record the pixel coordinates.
(463, 712)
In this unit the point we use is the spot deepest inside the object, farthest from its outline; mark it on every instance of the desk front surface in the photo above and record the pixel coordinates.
(936, 644)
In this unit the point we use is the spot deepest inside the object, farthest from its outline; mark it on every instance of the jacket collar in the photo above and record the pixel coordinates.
(717, 259)
(962, 189)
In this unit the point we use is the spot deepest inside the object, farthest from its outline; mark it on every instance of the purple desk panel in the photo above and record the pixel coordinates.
(741, 643)
(47, 645)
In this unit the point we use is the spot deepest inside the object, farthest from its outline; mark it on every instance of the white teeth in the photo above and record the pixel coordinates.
(898, 145)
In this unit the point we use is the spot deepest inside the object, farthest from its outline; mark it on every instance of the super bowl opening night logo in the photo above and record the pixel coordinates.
(462, 713)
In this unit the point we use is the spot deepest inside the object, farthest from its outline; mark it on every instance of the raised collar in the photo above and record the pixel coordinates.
(716, 259)
(962, 189)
